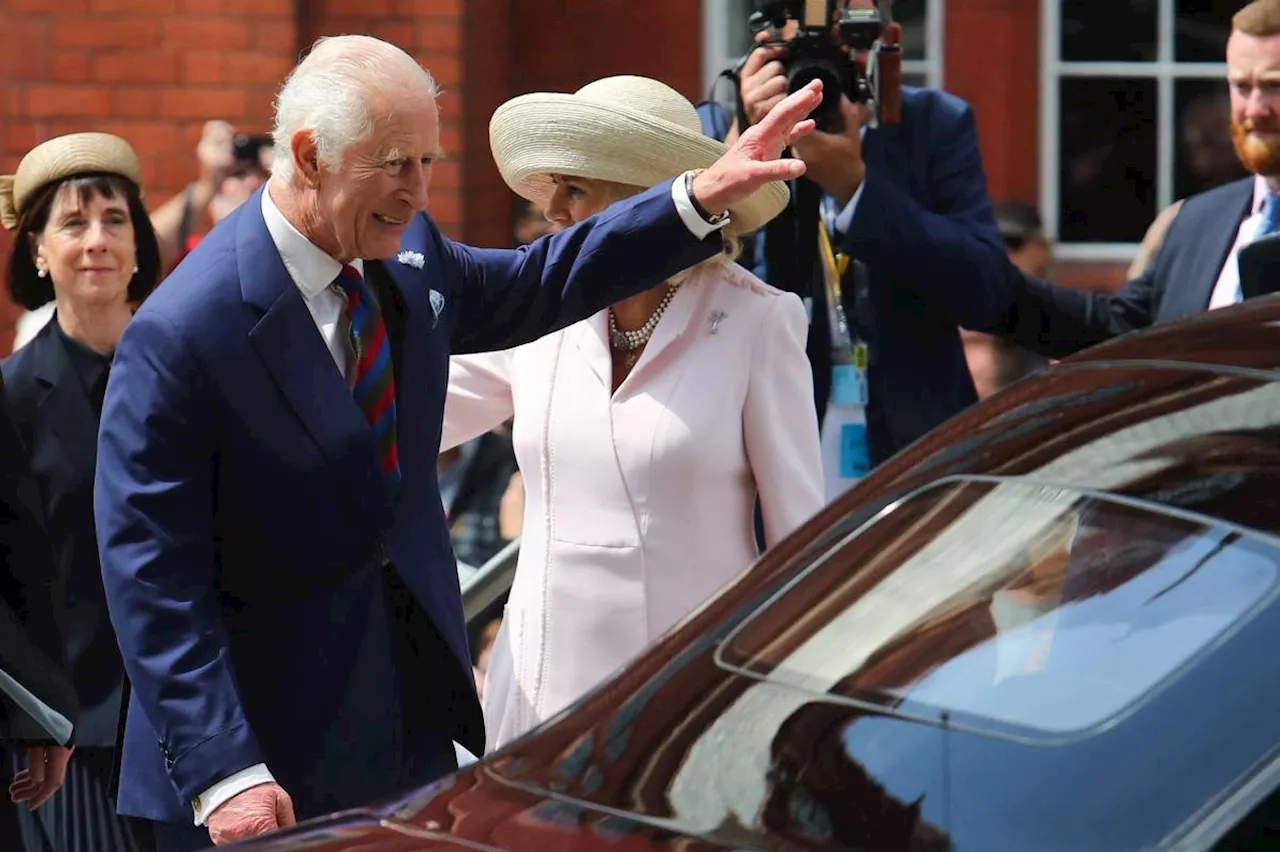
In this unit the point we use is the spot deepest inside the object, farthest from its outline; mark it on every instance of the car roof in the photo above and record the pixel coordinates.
(1185, 415)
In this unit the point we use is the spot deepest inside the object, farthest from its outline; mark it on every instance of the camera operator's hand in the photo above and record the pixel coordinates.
(763, 80)
(833, 159)
(216, 152)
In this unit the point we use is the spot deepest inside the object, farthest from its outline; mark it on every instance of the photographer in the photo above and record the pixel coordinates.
(232, 166)
(908, 204)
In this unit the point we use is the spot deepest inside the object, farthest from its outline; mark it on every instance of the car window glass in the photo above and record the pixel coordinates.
(1011, 607)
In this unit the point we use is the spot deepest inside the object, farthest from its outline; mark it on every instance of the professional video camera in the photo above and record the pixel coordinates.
(826, 47)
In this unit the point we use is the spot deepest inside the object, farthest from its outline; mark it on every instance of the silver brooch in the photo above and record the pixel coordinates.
(715, 318)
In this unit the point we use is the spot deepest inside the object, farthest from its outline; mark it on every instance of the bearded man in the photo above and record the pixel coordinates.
(1196, 267)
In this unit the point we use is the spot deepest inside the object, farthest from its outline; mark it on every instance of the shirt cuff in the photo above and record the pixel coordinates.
(697, 226)
(845, 218)
(233, 785)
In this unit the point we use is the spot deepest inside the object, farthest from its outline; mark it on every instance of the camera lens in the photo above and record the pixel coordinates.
(800, 74)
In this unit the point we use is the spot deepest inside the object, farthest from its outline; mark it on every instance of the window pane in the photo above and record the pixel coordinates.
(1203, 156)
(1107, 171)
(920, 79)
(911, 14)
(1012, 605)
(1201, 29)
(1112, 31)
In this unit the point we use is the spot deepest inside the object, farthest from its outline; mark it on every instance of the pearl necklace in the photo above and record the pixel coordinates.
(629, 343)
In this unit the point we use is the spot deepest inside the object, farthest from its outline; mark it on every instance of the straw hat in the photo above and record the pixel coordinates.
(629, 130)
(61, 158)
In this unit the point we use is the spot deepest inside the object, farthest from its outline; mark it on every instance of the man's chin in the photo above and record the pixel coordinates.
(1260, 156)
(384, 244)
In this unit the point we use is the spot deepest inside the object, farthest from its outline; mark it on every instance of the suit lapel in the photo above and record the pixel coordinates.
(671, 328)
(65, 407)
(592, 336)
(1212, 237)
(292, 349)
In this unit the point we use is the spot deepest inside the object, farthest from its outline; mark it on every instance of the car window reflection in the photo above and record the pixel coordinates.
(1010, 607)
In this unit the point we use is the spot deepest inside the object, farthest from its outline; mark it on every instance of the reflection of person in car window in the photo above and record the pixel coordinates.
(1111, 545)
(1229, 474)
(818, 796)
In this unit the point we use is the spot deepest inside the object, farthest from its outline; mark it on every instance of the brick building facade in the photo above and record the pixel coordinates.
(154, 70)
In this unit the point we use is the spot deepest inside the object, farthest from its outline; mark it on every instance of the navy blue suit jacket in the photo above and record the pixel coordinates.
(250, 555)
(1179, 281)
(925, 231)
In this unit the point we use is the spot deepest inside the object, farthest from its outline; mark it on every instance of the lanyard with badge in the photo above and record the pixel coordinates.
(846, 454)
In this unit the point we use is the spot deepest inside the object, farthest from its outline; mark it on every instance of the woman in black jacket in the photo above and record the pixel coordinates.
(38, 706)
(82, 239)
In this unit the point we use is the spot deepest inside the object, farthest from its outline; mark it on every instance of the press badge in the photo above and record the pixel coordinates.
(844, 385)
(849, 380)
(855, 455)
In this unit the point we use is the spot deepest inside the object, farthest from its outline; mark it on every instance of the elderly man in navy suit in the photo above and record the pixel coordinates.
(1196, 267)
(274, 549)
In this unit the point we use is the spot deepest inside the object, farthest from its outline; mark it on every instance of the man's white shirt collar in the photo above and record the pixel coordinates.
(312, 270)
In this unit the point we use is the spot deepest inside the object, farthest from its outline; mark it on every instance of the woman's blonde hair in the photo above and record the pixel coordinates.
(612, 192)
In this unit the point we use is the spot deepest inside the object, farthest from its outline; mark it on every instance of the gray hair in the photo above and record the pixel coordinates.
(329, 93)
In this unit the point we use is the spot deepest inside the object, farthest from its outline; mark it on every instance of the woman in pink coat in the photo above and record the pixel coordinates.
(645, 433)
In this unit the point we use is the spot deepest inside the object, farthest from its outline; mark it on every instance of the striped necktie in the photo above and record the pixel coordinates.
(372, 380)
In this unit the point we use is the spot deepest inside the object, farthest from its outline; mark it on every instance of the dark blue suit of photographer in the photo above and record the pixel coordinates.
(921, 224)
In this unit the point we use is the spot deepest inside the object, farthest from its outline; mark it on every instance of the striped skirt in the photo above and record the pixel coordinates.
(80, 817)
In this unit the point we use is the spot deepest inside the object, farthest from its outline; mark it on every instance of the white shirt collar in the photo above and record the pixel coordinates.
(311, 269)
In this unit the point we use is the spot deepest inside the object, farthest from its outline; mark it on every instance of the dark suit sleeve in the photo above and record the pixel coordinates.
(1059, 321)
(154, 509)
(509, 297)
(32, 657)
(950, 254)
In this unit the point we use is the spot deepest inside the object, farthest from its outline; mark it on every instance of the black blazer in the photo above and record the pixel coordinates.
(1057, 321)
(36, 679)
(60, 429)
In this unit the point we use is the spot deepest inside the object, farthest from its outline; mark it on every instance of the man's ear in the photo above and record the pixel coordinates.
(306, 156)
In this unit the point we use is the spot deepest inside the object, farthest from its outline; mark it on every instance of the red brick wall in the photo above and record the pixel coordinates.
(488, 67)
(992, 57)
(430, 30)
(562, 45)
(151, 71)
(520, 46)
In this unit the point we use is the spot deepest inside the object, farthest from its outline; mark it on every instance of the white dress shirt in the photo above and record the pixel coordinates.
(1227, 291)
(314, 272)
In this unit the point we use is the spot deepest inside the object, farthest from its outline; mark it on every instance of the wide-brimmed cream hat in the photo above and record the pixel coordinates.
(629, 130)
(63, 157)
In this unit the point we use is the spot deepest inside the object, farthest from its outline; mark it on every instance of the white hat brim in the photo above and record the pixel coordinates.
(538, 135)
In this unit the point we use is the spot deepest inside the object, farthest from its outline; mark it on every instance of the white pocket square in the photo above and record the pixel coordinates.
(437, 305)
(412, 258)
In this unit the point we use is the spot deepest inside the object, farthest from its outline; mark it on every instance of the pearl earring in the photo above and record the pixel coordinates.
(42, 272)
(135, 269)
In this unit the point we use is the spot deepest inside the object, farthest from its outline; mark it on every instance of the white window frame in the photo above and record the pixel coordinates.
(717, 54)
(1165, 71)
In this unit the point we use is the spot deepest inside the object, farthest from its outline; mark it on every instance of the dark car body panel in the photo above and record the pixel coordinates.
(1184, 417)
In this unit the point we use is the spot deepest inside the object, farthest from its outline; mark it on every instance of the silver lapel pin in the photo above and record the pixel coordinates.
(715, 318)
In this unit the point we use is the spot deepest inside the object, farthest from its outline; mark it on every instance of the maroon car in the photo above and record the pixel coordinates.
(1051, 624)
